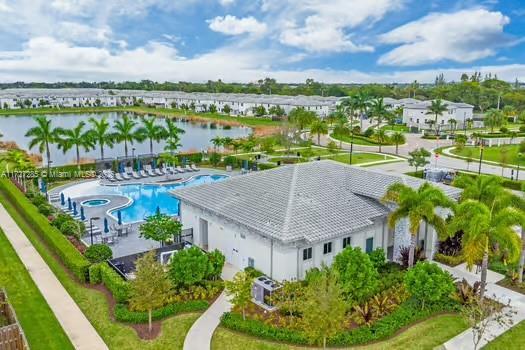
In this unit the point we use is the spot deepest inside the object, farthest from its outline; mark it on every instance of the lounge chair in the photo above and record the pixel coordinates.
(135, 175)
(159, 172)
(119, 177)
(143, 173)
(187, 168)
(194, 167)
(125, 176)
(180, 170)
(110, 176)
(149, 171)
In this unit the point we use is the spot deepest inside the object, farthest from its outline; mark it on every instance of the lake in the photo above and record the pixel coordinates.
(196, 138)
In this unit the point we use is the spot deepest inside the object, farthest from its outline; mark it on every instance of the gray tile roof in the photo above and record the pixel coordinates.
(311, 201)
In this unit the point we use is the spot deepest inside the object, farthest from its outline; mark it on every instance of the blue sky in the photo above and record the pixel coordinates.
(348, 41)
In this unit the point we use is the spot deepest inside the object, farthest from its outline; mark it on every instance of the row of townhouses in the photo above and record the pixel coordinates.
(238, 104)
(414, 111)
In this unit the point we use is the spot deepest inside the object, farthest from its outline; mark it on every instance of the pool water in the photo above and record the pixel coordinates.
(95, 202)
(147, 197)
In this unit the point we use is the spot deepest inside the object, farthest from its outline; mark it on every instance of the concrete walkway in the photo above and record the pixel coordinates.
(73, 321)
(464, 340)
(201, 332)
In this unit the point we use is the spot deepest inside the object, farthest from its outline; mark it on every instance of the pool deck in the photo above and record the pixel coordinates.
(132, 243)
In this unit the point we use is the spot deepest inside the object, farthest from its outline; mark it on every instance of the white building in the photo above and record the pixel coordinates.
(290, 219)
(415, 114)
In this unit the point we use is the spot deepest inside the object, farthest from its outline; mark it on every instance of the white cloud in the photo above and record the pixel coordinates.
(4, 7)
(226, 2)
(231, 25)
(463, 36)
(323, 26)
(83, 34)
(47, 59)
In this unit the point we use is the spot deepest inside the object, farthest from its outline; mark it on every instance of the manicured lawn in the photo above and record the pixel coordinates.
(397, 127)
(491, 153)
(357, 140)
(94, 304)
(513, 339)
(359, 158)
(425, 335)
(315, 151)
(40, 325)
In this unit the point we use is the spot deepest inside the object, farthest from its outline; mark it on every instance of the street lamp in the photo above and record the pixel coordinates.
(91, 226)
(518, 170)
(133, 152)
(351, 144)
(480, 157)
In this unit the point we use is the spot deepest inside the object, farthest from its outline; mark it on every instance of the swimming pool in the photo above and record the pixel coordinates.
(144, 198)
(95, 202)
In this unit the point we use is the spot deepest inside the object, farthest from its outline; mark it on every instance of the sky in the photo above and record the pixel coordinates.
(333, 41)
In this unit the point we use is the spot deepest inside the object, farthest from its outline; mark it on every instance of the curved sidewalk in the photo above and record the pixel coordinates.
(73, 321)
(201, 332)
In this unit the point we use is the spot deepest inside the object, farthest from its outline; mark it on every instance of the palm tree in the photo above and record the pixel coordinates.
(126, 132)
(482, 228)
(437, 108)
(398, 139)
(42, 136)
(452, 123)
(319, 127)
(226, 142)
(381, 137)
(173, 133)
(77, 138)
(362, 102)
(217, 141)
(494, 118)
(16, 159)
(152, 131)
(378, 110)
(100, 133)
(417, 206)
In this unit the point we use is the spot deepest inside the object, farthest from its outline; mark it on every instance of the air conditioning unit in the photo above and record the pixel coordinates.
(262, 291)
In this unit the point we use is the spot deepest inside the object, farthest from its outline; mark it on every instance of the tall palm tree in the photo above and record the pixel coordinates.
(378, 110)
(398, 139)
(101, 134)
(362, 102)
(42, 136)
(482, 228)
(319, 127)
(437, 108)
(152, 131)
(381, 137)
(417, 206)
(217, 141)
(76, 137)
(125, 131)
(494, 118)
(173, 133)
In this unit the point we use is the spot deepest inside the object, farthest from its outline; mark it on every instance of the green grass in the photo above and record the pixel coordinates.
(315, 152)
(32, 111)
(492, 154)
(95, 306)
(513, 339)
(42, 329)
(424, 335)
(397, 127)
(357, 140)
(360, 158)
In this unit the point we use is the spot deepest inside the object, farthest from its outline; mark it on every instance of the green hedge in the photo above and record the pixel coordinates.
(115, 283)
(449, 259)
(94, 273)
(405, 315)
(123, 314)
(56, 241)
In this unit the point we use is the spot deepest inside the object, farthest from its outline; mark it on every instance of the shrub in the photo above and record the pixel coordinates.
(98, 253)
(189, 267)
(253, 272)
(123, 314)
(217, 260)
(465, 294)
(504, 129)
(115, 283)
(72, 228)
(449, 260)
(357, 274)
(419, 255)
(428, 283)
(378, 258)
(45, 209)
(369, 132)
(37, 199)
(522, 128)
(94, 274)
(230, 160)
(56, 241)
(451, 245)
(60, 219)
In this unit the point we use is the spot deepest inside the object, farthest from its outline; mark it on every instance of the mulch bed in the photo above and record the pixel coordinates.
(507, 283)
(81, 247)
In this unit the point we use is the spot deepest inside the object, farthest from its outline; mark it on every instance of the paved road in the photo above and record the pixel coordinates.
(73, 321)
(201, 332)
(415, 141)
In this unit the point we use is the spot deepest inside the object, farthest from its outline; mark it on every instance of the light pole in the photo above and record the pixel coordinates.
(480, 157)
(351, 144)
(518, 170)
(91, 227)
(133, 152)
